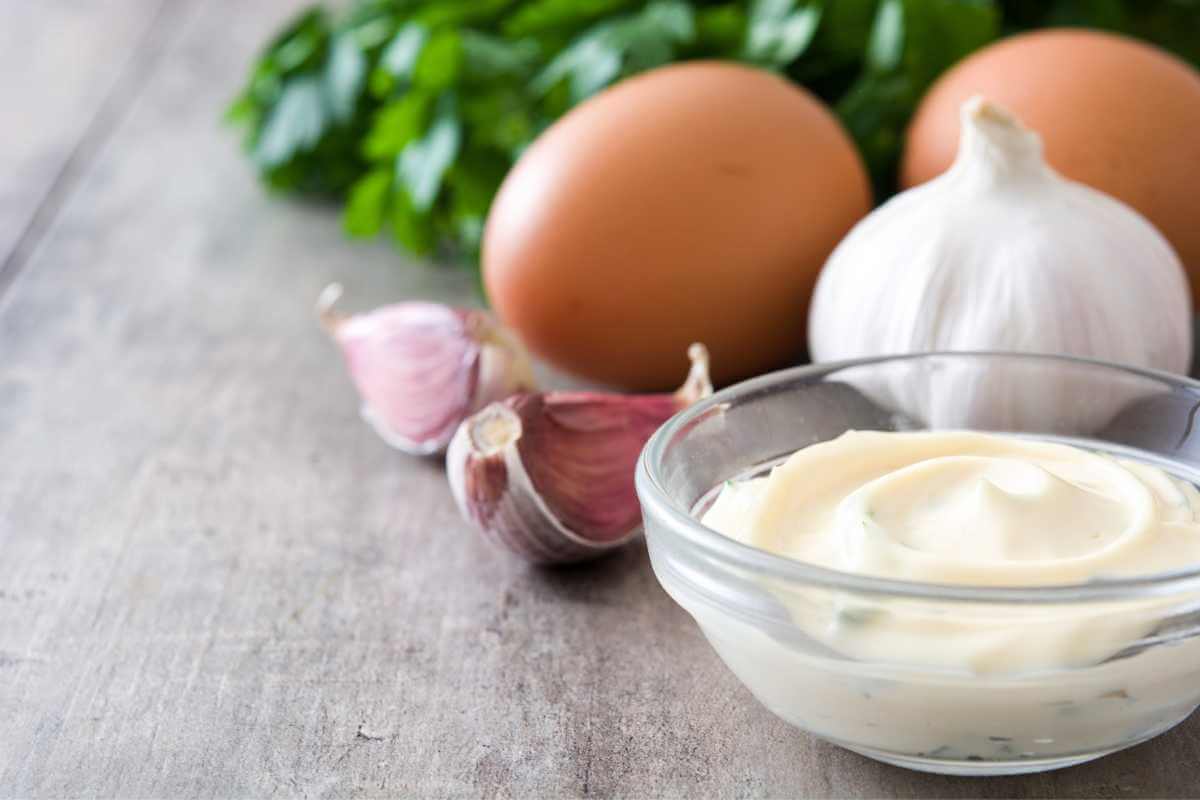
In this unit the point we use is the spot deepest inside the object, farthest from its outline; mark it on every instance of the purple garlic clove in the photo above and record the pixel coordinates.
(422, 368)
(550, 476)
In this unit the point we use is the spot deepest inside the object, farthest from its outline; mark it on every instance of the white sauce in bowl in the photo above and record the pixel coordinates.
(974, 509)
(959, 679)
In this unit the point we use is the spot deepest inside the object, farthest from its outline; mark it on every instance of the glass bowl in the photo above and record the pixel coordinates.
(771, 619)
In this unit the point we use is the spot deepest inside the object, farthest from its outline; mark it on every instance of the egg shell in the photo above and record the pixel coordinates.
(1117, 114)
(696, 202)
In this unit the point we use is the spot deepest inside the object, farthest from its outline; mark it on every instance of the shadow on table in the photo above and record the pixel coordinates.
(622, 578)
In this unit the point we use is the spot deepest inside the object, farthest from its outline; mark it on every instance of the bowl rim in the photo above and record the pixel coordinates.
(659, 505)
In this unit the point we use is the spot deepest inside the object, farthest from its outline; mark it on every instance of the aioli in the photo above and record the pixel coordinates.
(938, 681)
(966, 508)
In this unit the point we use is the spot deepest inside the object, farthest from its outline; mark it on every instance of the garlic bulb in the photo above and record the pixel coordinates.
(550, 476)
(1001, 253)
(421, 368)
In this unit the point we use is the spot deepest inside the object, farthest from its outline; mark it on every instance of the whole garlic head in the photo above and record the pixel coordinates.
(1001, 253)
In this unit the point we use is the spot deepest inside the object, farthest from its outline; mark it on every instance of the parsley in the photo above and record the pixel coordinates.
(410, 112)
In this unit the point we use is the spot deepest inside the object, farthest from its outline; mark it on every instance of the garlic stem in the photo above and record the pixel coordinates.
(995, 147)
(326, 300)
(493, 429)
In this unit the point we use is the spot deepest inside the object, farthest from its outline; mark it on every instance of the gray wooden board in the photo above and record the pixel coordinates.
(64, 74)
(215, 581)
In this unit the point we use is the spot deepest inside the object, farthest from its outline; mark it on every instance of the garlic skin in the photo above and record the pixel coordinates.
(1001, 253)
(550, 476)
(421, 368)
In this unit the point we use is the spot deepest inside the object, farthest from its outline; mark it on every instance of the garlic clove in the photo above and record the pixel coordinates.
(421, 368)
(550, 476)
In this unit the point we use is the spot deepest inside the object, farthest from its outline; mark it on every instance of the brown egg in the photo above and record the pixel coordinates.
(1117, 114)
(693, 203)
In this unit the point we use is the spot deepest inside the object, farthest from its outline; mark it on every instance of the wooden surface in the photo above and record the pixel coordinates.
(216, 582)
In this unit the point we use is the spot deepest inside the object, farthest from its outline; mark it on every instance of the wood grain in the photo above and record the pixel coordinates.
(216, 582)
(67, 71)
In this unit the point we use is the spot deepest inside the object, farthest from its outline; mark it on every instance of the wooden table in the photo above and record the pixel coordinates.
(215, 581)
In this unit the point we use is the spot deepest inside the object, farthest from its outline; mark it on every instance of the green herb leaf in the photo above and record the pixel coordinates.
(243, 109)
(294, 125)
(857, 616)
(721, 28)
(440, 61)
(411, 228)
(885, 49)
(487, 57)
(399, 59)
(590, 64)
(367, 204)
(539, 16)
(300, 44)
(778, 32)
(628, 44)
(397, 124)
(843, 34)
(424, 162)
(933, 34)
(345, 73)
(460, 13)
(499, 118)
(473, 184)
